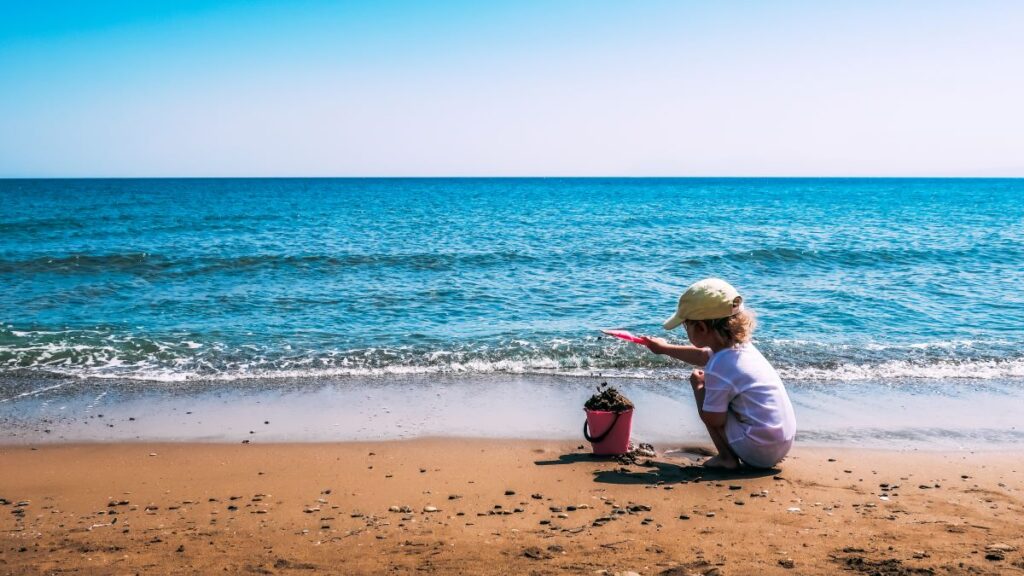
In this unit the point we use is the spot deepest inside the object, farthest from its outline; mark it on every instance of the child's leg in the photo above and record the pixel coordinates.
(726, 457)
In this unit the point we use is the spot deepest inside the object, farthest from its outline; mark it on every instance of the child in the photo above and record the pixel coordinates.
(740, 397)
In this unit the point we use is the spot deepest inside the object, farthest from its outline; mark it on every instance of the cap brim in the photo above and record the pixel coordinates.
(673, 322)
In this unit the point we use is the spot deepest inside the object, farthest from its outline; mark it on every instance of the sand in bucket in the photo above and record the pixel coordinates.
(609, 421)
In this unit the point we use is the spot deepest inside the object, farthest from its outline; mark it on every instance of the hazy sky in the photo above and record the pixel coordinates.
(435, 88)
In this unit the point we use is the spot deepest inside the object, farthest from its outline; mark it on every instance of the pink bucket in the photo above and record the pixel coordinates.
(608, 432)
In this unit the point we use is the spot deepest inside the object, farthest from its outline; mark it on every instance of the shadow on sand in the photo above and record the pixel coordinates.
(658, 472)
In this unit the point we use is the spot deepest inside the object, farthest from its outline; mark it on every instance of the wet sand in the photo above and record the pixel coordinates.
(500, 506)
(953, 415)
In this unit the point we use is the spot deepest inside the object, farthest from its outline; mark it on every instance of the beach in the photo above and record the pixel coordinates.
(488, 506)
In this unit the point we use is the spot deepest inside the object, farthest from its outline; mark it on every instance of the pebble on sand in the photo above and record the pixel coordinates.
(1000, 547)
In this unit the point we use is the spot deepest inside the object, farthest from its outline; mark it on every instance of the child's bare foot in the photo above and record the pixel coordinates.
(720, 462)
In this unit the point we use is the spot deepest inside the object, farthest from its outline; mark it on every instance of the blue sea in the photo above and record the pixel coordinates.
(871, 295)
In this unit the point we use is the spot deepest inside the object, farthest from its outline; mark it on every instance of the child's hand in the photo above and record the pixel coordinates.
(697, 378)
(656, 345)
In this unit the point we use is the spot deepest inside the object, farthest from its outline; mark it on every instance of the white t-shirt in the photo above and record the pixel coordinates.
(739, 380)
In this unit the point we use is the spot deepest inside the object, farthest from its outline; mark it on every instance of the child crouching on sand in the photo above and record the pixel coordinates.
(740, 397)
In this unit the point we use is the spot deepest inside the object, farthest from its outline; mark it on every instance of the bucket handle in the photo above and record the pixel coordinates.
(599, 437)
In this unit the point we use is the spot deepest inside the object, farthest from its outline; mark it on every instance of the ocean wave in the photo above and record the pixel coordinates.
(144, 263)
(894, 371)
(909, 370)
(863, 257)
(91, 354)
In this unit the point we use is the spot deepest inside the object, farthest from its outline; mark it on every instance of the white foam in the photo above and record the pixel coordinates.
(901, 369)
(31, 393)
(555, 357)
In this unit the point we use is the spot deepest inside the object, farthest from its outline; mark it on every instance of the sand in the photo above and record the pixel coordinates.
(452, 506)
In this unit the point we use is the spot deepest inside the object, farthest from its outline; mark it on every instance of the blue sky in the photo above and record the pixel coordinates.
(194, 88)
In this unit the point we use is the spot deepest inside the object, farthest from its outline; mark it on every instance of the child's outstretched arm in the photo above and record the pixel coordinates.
(688, 354)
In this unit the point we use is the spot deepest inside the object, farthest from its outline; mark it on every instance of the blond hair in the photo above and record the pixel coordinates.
(735, 329)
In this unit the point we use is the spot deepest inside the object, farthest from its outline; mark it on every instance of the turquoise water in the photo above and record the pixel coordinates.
(184, 284)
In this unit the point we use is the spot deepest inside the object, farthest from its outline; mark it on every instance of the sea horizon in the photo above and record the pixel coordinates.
(533, 177)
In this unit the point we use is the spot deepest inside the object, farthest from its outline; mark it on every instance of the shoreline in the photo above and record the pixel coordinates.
(461, 505)
(866, 415)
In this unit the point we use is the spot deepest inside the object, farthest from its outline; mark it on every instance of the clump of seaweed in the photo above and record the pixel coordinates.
(608, 399)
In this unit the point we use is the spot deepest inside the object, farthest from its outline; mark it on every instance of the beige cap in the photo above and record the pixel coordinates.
(706, 300)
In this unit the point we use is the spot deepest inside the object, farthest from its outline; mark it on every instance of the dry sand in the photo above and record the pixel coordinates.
(453, 506)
